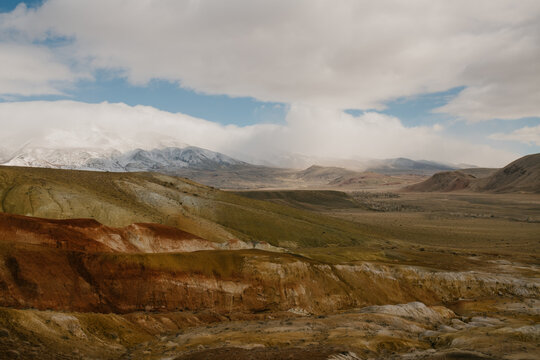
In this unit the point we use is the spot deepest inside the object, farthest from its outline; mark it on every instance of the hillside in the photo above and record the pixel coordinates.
(444, 181)
(149, 266)
(305, 199)
(86, 273)
(121, 199)
(479, 173)
(323, 174)
(522, 175)
(88, 235)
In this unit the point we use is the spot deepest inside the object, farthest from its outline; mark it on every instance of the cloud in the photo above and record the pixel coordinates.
(506, 84)
(346, 54)
(527, 135)
(32, 70)
(310, 134)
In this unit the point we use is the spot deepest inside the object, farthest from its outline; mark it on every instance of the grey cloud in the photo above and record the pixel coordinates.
(346, 54)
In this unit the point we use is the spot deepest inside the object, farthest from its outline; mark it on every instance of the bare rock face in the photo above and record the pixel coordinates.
(412, 331)
(416, 310)
(85, 266)
(53, 233)
(112, 290)
(88, 235)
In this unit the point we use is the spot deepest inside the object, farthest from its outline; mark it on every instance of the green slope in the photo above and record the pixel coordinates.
(119, 199)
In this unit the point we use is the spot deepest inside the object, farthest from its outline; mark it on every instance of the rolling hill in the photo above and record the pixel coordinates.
(121, 199)
(479, 173)
(522, 175)
(324, 174)
(444, 181)
(95, 264)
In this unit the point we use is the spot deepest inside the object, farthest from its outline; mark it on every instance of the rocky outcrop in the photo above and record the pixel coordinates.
(412, 331)
(81, 265)
(226, 282)
(88, 235)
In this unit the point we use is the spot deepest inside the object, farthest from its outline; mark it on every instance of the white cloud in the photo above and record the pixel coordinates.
(506, 84)
(311, 132)
(527, 135)
(319, 56)
(32, 70)
(346, 54)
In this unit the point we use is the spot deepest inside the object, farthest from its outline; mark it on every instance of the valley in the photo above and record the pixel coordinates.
(148, 266)
(219, 170)
(269, 180)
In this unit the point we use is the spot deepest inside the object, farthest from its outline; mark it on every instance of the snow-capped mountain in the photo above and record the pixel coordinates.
(163, 159)
(170, 158)
(57, 158)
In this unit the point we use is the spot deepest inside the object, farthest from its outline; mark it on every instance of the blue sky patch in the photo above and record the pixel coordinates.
(9, 5)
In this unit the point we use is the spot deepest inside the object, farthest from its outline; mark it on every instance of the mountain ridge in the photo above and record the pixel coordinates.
(521, 175)
(219, 170)
(116, 161)
(111, 159)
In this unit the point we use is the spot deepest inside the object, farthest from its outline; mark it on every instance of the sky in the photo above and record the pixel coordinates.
(273, 82)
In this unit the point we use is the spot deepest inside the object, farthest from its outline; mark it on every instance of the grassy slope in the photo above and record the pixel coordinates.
(118, 199)
(305, 199)
(468, 223)
(449, 227)
(522, 175)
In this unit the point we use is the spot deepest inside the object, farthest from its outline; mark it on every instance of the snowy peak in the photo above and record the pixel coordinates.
(173, 158)
(112, 160)
(179, 159)
(56, 158)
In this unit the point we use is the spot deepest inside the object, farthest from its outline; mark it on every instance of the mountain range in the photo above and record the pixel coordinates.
(116, 161)
(219, 170)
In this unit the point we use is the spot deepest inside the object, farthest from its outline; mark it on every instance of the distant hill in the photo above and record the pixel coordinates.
(324, 174)
(404, 166)
(444, 181)
(341, 178)
(522, 175)
(201, 165)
